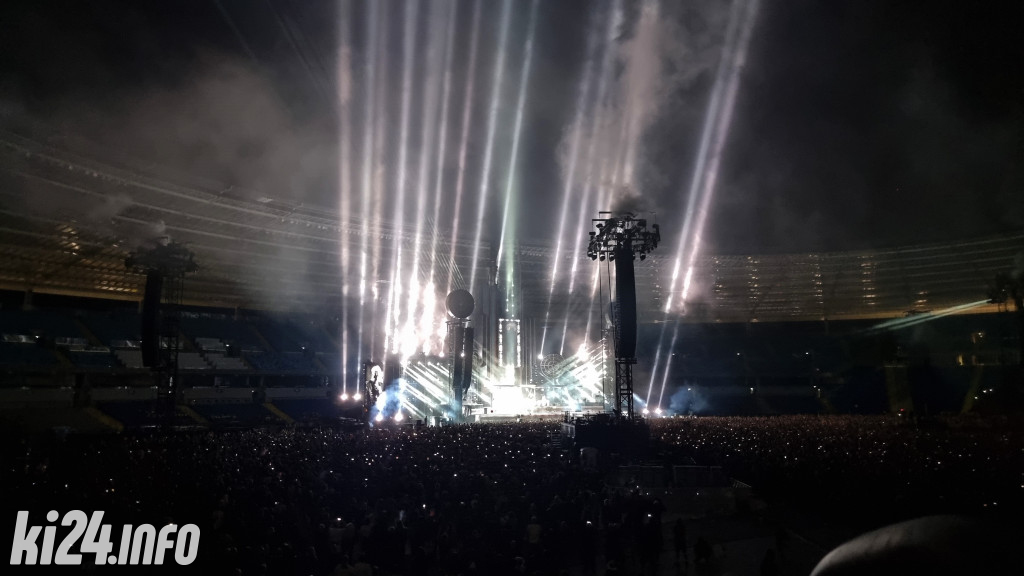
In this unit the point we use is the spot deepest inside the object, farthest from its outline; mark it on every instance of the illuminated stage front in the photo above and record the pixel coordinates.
(558, 385)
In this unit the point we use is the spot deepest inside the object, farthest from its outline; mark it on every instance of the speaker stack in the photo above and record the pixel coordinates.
(459, 349)
(151, 319)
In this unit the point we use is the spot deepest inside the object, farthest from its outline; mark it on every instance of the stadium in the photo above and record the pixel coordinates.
(434, 334)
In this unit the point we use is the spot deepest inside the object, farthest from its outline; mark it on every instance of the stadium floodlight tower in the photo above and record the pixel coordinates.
(620, 238)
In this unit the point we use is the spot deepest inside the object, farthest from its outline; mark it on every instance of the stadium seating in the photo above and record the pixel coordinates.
(144, 414)
(93, 359)
(129, 358)
(230, 332)
(113, 330)
(332, 362)
(309, 410)
(192, 361)
(51, 324)
(289, 362)
(221, 362)
(294, 334)
(236, 415)
(28, 354)
(210, 344)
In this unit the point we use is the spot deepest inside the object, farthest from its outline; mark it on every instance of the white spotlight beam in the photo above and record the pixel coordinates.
(524, 83)
(373, 18)
(345, 167)
(467, 114)
(713, 136)
(570, 176)
(598, 112)
(393, 317)
(442, 140)
(492, 120)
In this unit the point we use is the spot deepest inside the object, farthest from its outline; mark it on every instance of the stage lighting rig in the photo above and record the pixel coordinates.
(620, 238)
(622, 235)
(164, 256)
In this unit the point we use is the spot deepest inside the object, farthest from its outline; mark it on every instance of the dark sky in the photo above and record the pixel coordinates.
(865, 123)
(857, 124)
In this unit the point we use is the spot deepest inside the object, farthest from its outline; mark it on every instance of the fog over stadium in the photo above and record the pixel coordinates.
(370, 157)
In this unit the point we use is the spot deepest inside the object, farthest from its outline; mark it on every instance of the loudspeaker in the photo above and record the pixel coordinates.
(625, 300)
(467, 359)
(150, 331)
(457, 346)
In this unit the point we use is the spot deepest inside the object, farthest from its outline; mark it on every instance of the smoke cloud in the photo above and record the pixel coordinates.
(659, 54)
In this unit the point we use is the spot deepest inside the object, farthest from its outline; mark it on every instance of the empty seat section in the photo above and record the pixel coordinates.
(210, 344)
(332, 362)
(114, 330)
(313, 334)
(230, 332)
(49, 323)
(290, 362)
(281, 336)
(240, 415)
(93, 359)
(222, 362)
(310, 409)
(25, 354)
(129, 358)
(192, 361)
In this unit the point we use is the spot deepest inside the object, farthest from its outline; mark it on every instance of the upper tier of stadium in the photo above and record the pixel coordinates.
(255, 251)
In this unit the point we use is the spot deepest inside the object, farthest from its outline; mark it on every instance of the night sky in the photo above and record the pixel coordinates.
(857, 124)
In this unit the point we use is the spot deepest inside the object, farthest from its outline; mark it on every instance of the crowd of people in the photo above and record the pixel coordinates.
(494, 498)
(874, 467)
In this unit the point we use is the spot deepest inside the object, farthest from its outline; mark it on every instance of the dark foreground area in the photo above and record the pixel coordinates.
(506, 498)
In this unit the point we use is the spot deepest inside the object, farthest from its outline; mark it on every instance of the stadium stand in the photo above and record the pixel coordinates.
(116, 330)
(221, 362)
(236, 415)
(192, 361)
(213, 327)
(210, 345)
(144, 414)
(93, 359)
(311, 410)
(280, 334)
(25, 354)
(332, 362)
(129, 358)
(47, 323)
(289, 362)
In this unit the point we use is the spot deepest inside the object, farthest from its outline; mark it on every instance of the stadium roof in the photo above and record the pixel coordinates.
(72, 232)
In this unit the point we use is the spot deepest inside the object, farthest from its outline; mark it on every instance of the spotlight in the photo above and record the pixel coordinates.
(357, 396)
(343, 396)
(643, 255)
(646, 411)
(657, 410)
(399, 417)
(602, 257)
(611, 257)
